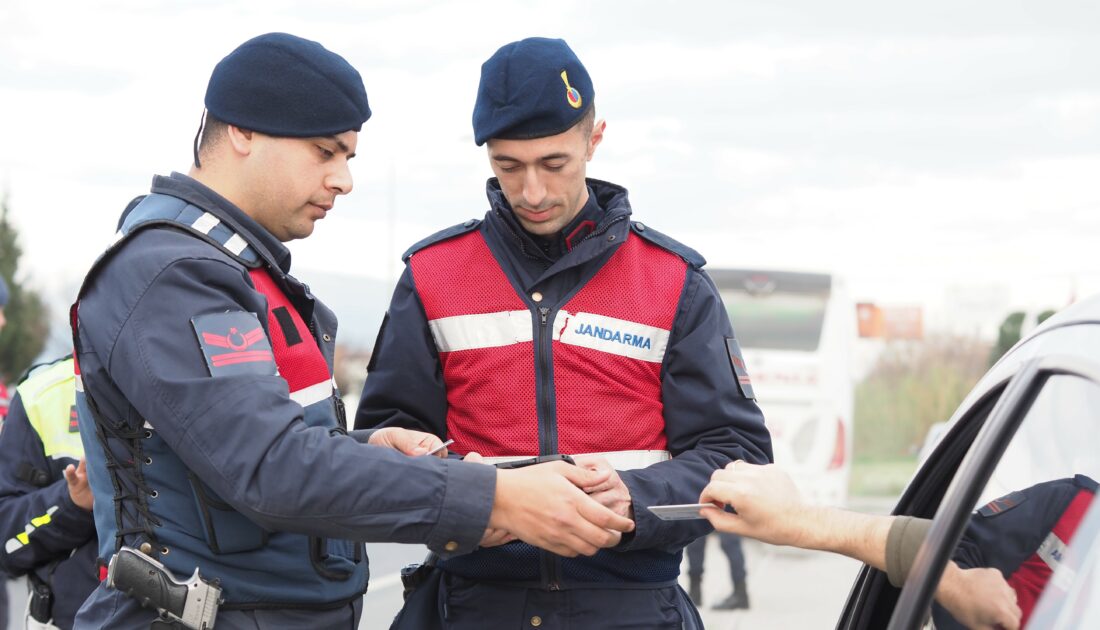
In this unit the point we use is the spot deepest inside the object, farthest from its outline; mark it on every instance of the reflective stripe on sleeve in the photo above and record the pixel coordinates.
(23, 538)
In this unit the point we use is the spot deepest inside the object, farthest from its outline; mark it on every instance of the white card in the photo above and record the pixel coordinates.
(685, 512)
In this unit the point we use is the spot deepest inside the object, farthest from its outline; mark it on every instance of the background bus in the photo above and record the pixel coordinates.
(797, 331)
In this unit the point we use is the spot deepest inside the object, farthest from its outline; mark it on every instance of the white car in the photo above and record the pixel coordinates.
(1033, 418)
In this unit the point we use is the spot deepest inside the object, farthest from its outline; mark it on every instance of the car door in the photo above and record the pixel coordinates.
(1033, 420)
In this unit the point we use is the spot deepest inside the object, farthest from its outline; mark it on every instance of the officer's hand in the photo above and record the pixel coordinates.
(407, 441)
(978, 598)
(769, 507)
(544, 506)
(491, 537)
(612, 493)
(79, 491)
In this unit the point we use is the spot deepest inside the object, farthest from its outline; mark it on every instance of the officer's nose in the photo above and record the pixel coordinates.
(339, 181)
(534, 192)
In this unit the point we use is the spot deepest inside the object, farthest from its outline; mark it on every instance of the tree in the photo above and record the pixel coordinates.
(1011, 330)
(24, 336)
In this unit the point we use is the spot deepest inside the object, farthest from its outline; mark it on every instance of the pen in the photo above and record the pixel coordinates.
(440, 447)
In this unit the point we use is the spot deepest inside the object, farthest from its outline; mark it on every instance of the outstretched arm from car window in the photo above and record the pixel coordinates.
(770, 509)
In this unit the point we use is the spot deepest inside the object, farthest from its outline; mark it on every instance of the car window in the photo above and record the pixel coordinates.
(1038, 495)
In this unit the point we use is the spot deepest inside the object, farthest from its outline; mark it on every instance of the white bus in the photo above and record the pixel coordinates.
(797, 332)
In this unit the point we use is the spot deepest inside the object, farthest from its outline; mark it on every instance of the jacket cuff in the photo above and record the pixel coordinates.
(902, 543)
(647, 527)
(464, 513)
(362, 436)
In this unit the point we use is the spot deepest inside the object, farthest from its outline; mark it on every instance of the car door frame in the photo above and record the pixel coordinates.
(986, 426)
(974, 473)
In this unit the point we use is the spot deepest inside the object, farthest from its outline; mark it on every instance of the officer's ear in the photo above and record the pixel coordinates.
(595, 138)
(240, 139)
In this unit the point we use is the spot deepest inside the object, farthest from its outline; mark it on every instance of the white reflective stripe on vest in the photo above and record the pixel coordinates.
(312, 394)
(488, 330)
(205, 223)
(1052, 551)
(236, 244)
(615, 336)
(619, 460)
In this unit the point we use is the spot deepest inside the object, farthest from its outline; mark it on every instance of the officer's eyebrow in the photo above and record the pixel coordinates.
(341, 145)
(543, 158)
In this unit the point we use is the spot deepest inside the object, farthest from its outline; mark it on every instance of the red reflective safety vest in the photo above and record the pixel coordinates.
(1031, 578)
(301, 364)
(5, 400)
(589, 369)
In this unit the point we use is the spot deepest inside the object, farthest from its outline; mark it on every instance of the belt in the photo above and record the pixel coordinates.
(619, 460)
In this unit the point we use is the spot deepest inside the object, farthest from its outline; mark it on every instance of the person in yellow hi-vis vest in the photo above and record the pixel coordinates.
(46, 523)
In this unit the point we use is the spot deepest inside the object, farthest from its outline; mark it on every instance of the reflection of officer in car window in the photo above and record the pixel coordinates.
(1024, 534)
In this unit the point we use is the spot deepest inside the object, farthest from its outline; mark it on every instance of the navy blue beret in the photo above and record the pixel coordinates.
(283, 85)
(3, 293)
(532, 88)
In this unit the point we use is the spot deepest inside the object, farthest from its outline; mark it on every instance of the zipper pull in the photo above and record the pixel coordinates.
(544, 311)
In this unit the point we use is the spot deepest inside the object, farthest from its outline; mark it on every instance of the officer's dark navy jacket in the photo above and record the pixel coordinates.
(60, 547)
(1008, 531)
(228, 473)
(708, 421)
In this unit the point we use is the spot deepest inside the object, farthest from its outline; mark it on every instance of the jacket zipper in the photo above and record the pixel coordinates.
(548, 433)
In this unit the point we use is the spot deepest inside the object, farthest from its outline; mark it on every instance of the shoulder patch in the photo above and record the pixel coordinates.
(740, 372)
(234, 344)
(1003, 504)
(690, 256)
(442, 235)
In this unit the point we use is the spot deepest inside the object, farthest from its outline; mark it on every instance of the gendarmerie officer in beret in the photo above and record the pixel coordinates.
(560, 325)
(213, 434)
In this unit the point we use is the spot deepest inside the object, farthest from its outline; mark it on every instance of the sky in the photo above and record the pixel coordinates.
(940, 154)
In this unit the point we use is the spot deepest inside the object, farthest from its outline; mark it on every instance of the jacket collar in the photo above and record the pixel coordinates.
(192, 191)
(612, 229)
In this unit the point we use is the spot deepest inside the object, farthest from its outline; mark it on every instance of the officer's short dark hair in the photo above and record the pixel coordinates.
(587, 122)
(213, 132)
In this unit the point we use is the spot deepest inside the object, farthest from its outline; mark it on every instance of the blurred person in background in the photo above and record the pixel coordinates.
(46, 523)
(731, 546)
(5, 399)
(3, 412)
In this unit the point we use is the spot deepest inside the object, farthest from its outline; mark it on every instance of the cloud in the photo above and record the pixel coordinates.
(906, 145)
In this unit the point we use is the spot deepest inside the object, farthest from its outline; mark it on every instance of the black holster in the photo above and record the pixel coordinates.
(413, 576)
(41, 599)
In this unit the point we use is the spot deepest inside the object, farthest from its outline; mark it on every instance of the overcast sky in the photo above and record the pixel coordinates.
(934, 153)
